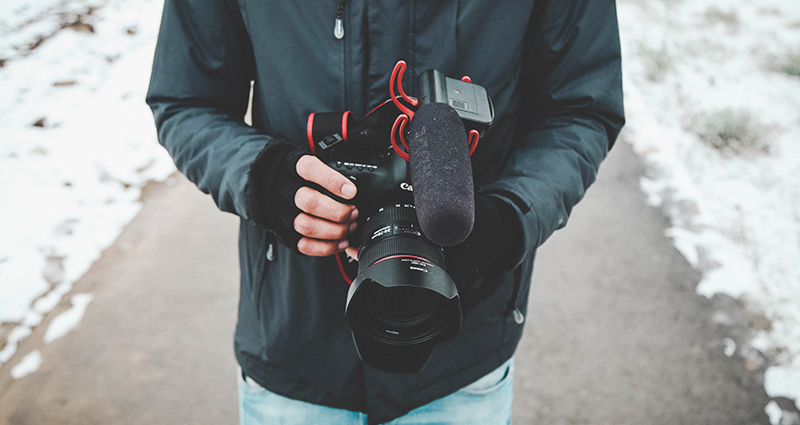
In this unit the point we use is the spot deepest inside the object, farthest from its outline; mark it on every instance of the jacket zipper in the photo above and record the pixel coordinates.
(338, 32)
(338, 26)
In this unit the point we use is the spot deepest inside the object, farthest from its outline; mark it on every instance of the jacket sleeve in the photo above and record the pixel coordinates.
(570, 114)
(199, 92)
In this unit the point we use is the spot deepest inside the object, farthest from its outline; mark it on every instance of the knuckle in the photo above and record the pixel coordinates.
(302, 246)
(342, 214)
(326, 250)
(345, 215)
(308, 247)
(306, 200)
(331, 181)
(314, 248)
(338, 217)
(304, 225)
(340, 232)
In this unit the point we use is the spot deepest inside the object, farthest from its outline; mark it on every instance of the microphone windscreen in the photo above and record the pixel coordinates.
(441, 174)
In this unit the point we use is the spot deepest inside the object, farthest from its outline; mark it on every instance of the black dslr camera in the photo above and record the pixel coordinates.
(402, 302)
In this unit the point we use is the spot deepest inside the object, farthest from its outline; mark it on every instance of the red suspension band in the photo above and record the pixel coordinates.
(397, 78)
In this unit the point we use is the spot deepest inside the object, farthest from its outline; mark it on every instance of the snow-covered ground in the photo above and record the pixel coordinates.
(712, 91)
(713, 104)
(77, 144)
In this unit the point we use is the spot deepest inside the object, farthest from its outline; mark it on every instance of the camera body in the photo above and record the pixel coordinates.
(368, 158)
(402, 302)
(379, 173)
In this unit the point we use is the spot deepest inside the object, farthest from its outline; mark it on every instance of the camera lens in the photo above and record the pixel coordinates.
(400, 305)
(402, 302)
(401, 315)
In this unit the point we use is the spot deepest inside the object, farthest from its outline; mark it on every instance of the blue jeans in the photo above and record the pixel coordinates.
(486, 401)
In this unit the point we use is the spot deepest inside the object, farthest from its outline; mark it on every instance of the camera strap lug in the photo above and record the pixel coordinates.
(327, 129)
(330, 141)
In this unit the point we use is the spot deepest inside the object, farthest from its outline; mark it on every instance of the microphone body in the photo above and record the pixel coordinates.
(441, 174)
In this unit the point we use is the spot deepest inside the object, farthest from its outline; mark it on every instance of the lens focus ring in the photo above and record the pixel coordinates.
(389, 215)
(395, 230)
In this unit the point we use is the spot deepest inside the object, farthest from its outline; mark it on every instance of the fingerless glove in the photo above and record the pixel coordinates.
(271, 186)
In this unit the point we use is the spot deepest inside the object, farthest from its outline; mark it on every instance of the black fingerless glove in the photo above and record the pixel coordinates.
(271, 186)
(495, 241)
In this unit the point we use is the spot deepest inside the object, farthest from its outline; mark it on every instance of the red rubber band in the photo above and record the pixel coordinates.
(400, 122)
(309, 133)
(397, 75)
(474, 136)
(345, 116)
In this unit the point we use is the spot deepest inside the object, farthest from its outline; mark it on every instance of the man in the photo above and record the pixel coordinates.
(552, 69)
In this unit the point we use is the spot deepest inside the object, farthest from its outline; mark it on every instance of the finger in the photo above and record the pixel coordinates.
(317, 228)
(351, 252)
(318, 248)
(316, 204)
(310, 168)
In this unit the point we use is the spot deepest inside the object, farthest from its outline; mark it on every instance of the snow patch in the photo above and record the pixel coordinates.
(712, 98)
(12, 343)
(78, 143)
(774, 412)
(68, 320)
(730, 346)
(29, 364)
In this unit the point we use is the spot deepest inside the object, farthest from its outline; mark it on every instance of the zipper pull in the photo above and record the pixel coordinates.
(518, 316)
(270, 252)
(338, 29)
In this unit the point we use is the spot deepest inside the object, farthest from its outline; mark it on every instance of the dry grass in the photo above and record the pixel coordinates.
(732, 132)
(657, 62)
(790, 65)
(730, 19)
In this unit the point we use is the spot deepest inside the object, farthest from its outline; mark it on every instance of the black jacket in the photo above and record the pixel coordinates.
(552, 69)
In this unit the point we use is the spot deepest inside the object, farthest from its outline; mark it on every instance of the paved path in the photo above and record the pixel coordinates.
(615, 334)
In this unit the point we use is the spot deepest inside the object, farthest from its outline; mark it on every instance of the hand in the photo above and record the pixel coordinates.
(323, 223)
(493, 247)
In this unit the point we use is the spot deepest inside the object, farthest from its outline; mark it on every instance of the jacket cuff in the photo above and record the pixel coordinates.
(538, 217)
(271, 186)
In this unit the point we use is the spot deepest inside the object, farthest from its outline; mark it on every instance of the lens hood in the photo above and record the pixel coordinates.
(398, 309)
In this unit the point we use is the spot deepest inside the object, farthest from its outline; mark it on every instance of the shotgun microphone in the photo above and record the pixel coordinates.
(441, 174)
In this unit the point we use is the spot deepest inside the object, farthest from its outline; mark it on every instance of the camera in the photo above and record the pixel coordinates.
(402, 302)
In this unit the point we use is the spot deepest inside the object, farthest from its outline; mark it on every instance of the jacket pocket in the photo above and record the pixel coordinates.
(518, 304)
(256, 247)
(515, 308)
(268, 254)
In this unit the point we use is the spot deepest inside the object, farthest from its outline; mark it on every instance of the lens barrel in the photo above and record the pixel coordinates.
(395, 230)
(402, 302)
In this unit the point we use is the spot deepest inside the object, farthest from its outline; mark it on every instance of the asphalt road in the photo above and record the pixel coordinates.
(615, 332)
